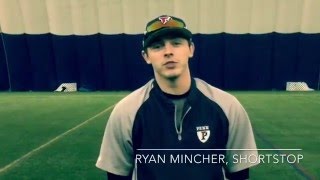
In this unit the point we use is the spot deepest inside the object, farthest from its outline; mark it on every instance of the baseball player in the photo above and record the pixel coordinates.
(176, 126)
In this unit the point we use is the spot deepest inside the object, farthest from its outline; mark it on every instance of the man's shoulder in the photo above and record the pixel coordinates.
(135, 99)
(213, 92)
(226, 101)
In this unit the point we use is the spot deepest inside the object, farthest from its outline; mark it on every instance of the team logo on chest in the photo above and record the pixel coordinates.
(203, 133)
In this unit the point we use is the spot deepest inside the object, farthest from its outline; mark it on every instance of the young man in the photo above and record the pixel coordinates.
(176, 126)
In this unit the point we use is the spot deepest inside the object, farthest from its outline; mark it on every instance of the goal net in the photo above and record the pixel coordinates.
(67, 87)
(298, 86)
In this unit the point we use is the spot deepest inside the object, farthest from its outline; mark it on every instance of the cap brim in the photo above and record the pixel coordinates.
(172, 32)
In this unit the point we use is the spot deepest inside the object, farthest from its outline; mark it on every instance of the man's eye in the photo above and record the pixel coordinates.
(176, 42)
(155, 46)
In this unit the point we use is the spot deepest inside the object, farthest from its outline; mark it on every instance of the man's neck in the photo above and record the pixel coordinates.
(174, 86)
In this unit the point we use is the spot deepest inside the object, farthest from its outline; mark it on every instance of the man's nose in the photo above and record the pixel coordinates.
(168, 49)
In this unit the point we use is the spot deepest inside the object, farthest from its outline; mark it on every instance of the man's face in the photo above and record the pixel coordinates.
(169, 57)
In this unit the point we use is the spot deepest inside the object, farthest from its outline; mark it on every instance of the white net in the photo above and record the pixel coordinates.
(298, 86)
(67, 87)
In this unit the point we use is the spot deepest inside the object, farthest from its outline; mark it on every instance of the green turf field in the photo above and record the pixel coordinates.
(58, 135)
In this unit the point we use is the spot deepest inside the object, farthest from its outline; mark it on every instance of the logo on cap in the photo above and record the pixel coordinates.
(164, 19)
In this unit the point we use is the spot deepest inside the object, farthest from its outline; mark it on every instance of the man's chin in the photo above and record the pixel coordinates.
(172, 77)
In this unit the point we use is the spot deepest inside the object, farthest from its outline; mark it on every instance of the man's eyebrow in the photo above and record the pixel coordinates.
(177, 39)
(169, 38)
(156, 42)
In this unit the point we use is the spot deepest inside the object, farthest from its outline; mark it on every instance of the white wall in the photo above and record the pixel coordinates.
(85, 17)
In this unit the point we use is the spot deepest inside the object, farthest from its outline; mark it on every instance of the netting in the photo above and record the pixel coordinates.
(67, 87)
(298, 86)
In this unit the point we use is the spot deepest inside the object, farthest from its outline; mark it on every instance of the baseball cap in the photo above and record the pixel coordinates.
(165, 25)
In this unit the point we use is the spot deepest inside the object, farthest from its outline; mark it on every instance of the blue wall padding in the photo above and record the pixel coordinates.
(66, 66)
(18, 59)
(42, 62)
(114, 62)
(4, 80)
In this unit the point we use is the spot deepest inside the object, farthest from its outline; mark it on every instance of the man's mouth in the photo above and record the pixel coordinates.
(170, 64)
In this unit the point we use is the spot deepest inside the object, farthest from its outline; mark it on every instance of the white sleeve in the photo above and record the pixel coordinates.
(116, 153)
(240, 137)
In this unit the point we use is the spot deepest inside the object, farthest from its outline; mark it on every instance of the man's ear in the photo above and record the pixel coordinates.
(145, 57)
(192, 48)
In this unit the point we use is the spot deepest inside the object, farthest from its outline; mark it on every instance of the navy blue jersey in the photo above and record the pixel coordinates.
(142, 138)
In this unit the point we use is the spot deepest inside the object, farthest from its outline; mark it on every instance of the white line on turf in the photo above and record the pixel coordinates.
(32, 152)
